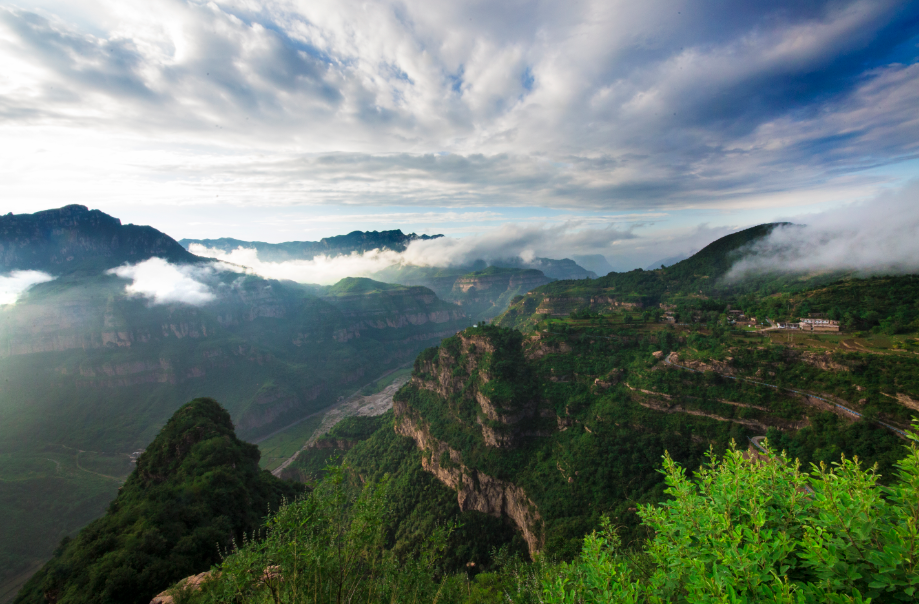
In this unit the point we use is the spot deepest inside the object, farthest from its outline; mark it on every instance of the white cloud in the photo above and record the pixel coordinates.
(322, 270)
(600, 103)
(507, 242)
(13, 285)
(165, 283)
(874, 237)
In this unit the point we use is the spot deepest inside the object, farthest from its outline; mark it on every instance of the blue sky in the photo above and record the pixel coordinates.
(634, 130)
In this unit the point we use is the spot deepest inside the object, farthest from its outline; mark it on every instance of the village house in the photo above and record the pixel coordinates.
(812, 324)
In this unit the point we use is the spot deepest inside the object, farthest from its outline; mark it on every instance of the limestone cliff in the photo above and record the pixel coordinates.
(503, 403)
(475, 490)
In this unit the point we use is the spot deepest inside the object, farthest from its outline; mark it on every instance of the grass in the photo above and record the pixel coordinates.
(278, 448)
(64, 487)
(381, 384)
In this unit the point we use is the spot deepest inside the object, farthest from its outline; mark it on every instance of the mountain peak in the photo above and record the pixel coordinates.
(75, 237)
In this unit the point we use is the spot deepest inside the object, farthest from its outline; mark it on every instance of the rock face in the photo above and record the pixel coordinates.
(479, 384)
(562, 306)
(474, 490)
(118, 341)
(503, 403)
(68, 237)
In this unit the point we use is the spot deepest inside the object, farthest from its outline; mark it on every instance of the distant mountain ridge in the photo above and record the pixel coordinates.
(339, 245)
(396, 241)
(75, 237)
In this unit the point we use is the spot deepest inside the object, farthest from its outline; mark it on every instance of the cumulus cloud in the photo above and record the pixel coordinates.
(164, 283)
(880, 236)
(602, 104)
(13, 285)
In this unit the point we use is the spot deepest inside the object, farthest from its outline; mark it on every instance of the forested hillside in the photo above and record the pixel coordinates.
(195, 490)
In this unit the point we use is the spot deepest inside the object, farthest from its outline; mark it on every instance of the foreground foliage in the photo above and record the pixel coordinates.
(740, 530)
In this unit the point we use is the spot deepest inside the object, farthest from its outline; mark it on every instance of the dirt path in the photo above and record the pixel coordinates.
(79, 467)
(96, 473)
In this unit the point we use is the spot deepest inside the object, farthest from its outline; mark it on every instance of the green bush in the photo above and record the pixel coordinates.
(761, 532)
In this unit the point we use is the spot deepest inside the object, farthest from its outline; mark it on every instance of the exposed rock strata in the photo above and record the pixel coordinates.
(475, 490)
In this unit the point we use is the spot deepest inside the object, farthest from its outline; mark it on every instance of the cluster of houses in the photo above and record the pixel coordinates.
(813, 322)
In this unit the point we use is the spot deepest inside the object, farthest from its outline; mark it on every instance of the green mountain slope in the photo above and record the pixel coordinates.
(196, 488)
(690, 281)
(556, 427)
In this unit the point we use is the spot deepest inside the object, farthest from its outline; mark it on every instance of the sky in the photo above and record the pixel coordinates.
(636, 130)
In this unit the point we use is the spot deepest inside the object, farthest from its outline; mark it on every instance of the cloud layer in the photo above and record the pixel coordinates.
(509, 241)
(599, 104)
(322, 270)
(13, 285)
(880, 237)
(164, 283)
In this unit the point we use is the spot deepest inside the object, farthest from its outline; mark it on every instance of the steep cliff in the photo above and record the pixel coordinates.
(476, 388)
(475, 490)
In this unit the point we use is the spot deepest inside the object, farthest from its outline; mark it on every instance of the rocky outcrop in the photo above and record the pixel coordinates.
(904, 399)
(192, 583)
(447, 375)
(537, 347)
(474, 490)
(723, 367)
(562, 306)
(486, 288)
(823, 361)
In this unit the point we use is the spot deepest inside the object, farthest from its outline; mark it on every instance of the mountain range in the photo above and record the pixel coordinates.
(340, 245)
(524, 435)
